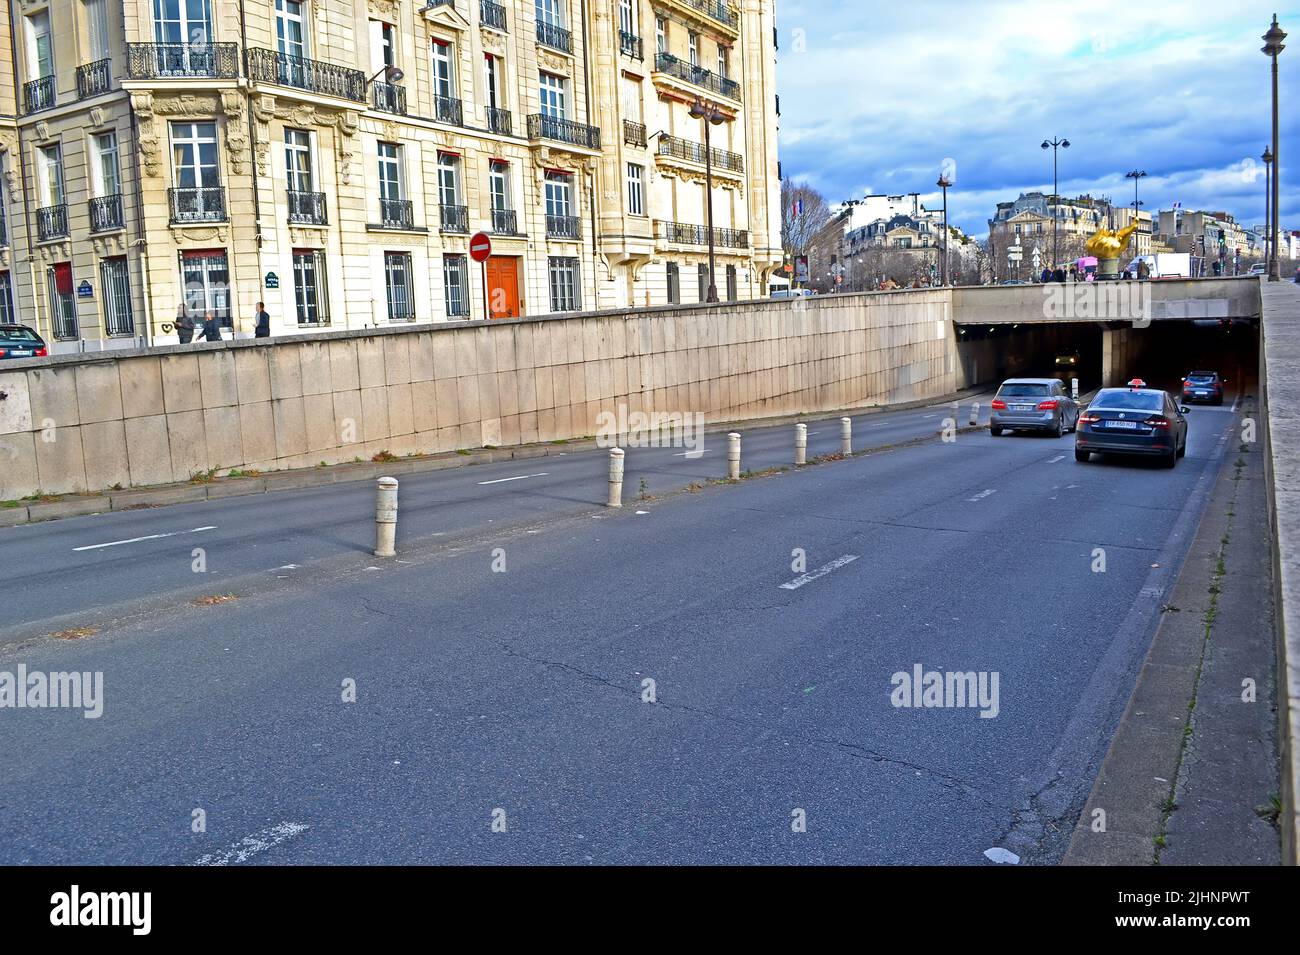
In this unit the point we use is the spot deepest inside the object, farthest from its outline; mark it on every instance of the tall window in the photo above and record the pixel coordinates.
(492, 81)
(115, 287)
(724, 62)
(563, 273)
(693, 44)
(40, 46)
(390, 171)
(559, 194)
(448, 179)
(551, 12)
(104, 165)
(400, 286)
(291, 27)
(499, 185)
(703, 273)
(732, 290)
(661, 35)
(182, 21)
(310, 297)
(635, 194)
(674, 284)
(297, 160)
(63, 306)
(50, 161)
(555, 101)
(627, 16)
(7, 314)
(194, 169)
(97, 28)
(205, 277)
(442, 75)
(455, 285)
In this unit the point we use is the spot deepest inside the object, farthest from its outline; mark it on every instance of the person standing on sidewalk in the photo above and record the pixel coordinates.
(211, 328)
(184, 324)
(262, 322)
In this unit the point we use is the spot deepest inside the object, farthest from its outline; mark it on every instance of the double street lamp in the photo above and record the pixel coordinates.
(1056, 197)
(1135, 175)
(943, 183)
(1272, 47)
(710, 115)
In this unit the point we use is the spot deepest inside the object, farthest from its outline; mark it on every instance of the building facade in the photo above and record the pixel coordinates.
(332, 158)
(1031, 220)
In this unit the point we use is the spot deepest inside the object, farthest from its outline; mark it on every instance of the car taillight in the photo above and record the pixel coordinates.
(1158, 422)
(41, 353)
(999, 404)
(1048, 405)
(1089, 418)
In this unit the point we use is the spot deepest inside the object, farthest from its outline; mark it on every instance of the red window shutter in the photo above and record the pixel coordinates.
(63, 278)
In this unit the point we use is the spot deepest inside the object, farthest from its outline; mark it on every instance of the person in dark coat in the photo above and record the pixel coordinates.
(211, 328)
(262, 323)
(184, 325)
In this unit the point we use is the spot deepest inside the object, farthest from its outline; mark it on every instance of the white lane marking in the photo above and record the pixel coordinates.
(1059, 457)
(287, 567)
(519, 477)
(249, 846)
(819, 572)
(691, 454)
(1001, 856)
(982, 494)
(929, 416)
(147, 537)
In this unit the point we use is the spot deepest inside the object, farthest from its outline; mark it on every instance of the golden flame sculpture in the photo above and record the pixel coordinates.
(1109, 243)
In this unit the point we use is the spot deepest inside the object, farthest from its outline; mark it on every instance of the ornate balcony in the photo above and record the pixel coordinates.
(541, 126)
(492, 15)
(455, 218)
(557, 38)
(304, 73)
(307, 208)
(106, 213)
(503, 222)
(94, 78)
(447, 109)
(697, 76)
(388, 98)
(629, 44)
(149, 61)
(685, 233)
(563, 227)
(710, 12)
(678, 148)
(396, 214)
(499, 121)
(197, 204)
(52, 223)
(633, 133)
(38, 94)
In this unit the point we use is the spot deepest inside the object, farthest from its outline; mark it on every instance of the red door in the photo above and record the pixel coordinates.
(503, 287)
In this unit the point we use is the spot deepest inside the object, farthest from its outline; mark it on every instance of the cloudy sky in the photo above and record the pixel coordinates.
(876, 95)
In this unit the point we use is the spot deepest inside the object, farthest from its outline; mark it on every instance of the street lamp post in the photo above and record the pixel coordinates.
(1272, 47)
(1268, 204)
(709, 116)
(1056, 245)
(943, 183)
(1135, 175)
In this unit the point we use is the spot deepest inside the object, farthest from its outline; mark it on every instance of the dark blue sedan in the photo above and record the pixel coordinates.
(1134, 420)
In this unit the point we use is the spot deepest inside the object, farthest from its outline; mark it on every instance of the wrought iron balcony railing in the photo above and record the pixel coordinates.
(697, 75)
(679, 148)
(714, 10)
(389, 98)
(564, 227)
(492, 14)
(455, 218)
(94, 78)
(106, 213)
(51, 222)
(686, 233)
(147, 61)
(629, 44)
(447, 109)
(307, 208)
(557, 38)
(396, 214)
(633, 133)
(38, 94)
(499, 121)
(197, 203)
(541, 126)
(304, 73)
(503, 222)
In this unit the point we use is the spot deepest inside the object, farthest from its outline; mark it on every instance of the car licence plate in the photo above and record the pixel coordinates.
(20, 352)
(1022, 407)
(1132, 425)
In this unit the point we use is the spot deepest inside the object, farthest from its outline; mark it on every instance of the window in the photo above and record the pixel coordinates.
(297, 160)
(693, 44)
(290, 27)
(724, 62)
(492, 81)
(7, 314)
(115, 288)
(182, 21)
(442, 78)
(448, 179)
(455, 285)
(384, 39)
(97, 29)
(627, 16)
(50, 160)
(551, 13)
(564, 284)
(197, 194)
(635, 198)
(674, 284)
(400, 286)
(40, 46)
(103, 158)
(661, 35)
(703, 276)
(309, 293)
(205, 277)
(559, 194)
(554, 100)
(732, 292)
(499, 185)
(390, 171)
(63, 306)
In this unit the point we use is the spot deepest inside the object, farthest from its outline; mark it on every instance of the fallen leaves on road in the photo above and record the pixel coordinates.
(75, 633)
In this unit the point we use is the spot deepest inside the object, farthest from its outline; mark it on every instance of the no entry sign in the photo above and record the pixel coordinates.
(480, 247)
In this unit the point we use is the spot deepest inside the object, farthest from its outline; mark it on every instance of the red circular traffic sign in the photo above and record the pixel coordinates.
(480, 247)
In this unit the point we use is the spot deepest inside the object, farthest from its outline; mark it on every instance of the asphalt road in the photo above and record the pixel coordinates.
(518, 696)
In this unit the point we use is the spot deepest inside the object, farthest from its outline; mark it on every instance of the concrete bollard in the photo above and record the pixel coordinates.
(801, 444)
(386, 517)
(733, 456)
(974, 413)
(615, 477)
(1074, 388)
(846, 436)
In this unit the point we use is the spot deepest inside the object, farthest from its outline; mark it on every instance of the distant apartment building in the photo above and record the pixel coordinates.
(895, 222)
(1205, 234)
(1029, 222)
(333, 158)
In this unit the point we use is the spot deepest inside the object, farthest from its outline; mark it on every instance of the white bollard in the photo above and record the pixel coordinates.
(615, 477)
(386, 517)
(733, 456)
(1074, 388)
(974, 413)
(846, 436)
(800, 444)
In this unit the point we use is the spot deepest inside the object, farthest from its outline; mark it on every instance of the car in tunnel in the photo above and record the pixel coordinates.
(1203, 386)
(1135, 420)
(1033, 404)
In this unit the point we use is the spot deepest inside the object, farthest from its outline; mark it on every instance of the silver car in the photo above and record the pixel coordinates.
(1033, 404)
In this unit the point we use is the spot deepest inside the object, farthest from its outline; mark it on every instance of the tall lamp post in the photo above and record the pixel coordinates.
(1272, 47)
(943, 183)
(1268, 204)
(710, 116)
(1056, 245)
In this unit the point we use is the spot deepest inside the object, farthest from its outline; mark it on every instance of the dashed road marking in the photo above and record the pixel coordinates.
(819, 572)
(518, 477)
(982, 494)
(249, 846)
(147, 537)
(1059, 457)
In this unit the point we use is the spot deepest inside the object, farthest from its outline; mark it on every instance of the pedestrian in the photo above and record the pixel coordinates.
(262, 324)
(211, 328)
(1047, 275)
(184, 324)
(1058, 275)
(1144, 270)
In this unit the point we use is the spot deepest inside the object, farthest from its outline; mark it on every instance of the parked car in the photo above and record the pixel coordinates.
(1259, 268)
(1134, 420)
(1033, 404)
(1203, 386)
(19, 341)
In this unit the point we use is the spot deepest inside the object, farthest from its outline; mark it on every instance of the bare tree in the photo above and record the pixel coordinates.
(799, 229)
